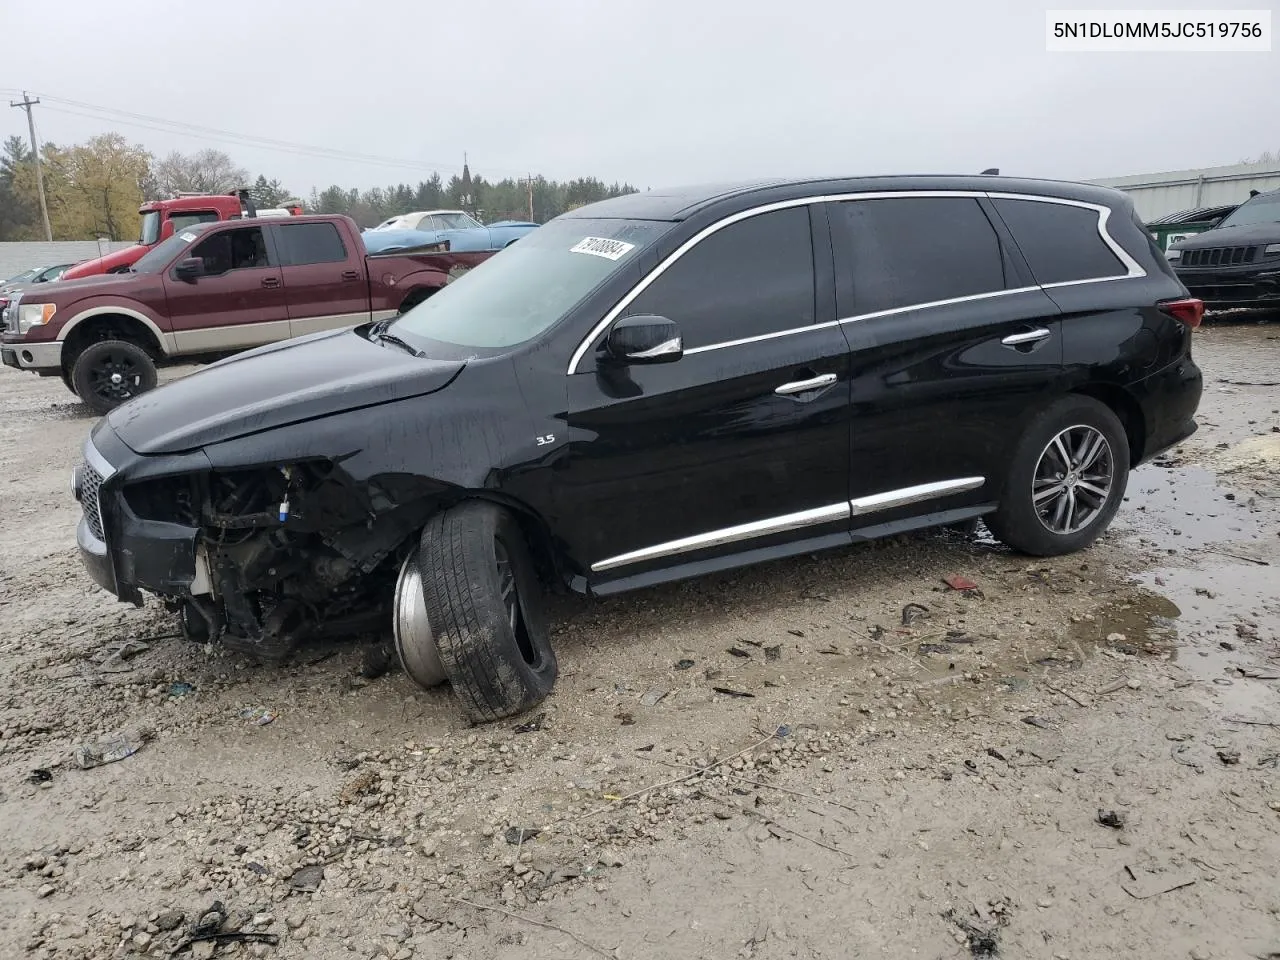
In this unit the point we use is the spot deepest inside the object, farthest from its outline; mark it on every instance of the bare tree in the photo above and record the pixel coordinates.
(207, 171)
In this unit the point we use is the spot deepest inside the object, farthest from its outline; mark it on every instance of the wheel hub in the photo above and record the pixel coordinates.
(117, 379)
(415, 640)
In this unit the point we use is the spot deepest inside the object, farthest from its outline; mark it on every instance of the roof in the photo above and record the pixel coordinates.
(680, 203)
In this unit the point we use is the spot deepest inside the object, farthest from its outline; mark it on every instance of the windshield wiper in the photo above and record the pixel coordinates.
(392, 338)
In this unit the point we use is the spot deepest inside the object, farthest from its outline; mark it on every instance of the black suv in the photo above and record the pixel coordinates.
(1237, 263)
(648, 388)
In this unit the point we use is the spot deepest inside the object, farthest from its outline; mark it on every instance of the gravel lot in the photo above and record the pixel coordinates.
(926, 783)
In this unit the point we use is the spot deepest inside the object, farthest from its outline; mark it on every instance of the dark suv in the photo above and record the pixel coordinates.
(649, 388)
(1237, 263)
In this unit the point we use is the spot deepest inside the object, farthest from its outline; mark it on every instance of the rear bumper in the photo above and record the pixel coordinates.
(1234, 286)
(31, 356)
(1169, 400)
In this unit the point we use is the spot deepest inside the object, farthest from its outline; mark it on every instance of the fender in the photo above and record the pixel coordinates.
(164, 339)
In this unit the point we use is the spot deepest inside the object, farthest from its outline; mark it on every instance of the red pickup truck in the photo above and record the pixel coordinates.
(210, 290)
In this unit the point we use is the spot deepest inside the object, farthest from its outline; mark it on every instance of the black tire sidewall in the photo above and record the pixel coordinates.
(84, 363)
(478, 649)
(1015, 521)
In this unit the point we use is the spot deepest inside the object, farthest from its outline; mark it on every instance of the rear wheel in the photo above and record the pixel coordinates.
(110, 372)
(1066, 479)
(483, 602)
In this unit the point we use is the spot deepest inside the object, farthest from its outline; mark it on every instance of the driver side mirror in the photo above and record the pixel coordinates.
(644, 339)
(189, 269)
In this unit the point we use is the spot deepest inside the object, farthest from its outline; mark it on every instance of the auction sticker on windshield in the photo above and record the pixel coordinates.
(187, 236)
(601, 247)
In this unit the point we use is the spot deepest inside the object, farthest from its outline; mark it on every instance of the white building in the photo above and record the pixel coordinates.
(1157, 194)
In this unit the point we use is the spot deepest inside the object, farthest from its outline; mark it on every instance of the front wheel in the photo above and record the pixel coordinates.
(1066, 479)
(110, 372)
(483, 603)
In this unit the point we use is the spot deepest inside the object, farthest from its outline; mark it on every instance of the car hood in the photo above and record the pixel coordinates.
(64, 291)
(275, 386)
(1231, 237)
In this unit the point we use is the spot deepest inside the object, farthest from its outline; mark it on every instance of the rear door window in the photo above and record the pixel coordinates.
(907, 251)
(303, 243)
(1061, 243)
(750, 278)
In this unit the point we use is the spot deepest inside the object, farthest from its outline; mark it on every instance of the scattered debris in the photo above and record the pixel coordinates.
(1177, 752)
(993, 752)
(1229, 757)
(111, 749)
(982, 939)
(1111, 818)
(180, 689)
(730, 692)
(307, 879)
(738, 652)
(1150, 884)
(115, 657)
(40, 775)
(1253, 674)
(210, 921)
(518, 835)
(375, 660)
(1070, 696)
(653, 697)
(1040, 722)
(625, 718)
(958, 581)
(258, 716)
(533, 725)
(1239, 556)
(913, 612)
(927, 648)
(684, 664)
(774, 653)
(537, 923)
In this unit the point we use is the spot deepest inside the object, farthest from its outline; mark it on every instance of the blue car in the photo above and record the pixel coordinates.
(464, 232)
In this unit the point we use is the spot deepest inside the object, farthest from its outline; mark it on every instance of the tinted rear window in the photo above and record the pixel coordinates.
(303, 243)
(916, 250)
(1061, 243)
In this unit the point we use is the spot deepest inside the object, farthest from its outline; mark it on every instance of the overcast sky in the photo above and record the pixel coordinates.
(655, 93)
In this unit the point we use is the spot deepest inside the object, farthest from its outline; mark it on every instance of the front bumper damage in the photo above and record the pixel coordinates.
(263, 577)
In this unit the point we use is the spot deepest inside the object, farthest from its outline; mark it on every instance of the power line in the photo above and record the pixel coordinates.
(26, 104)
(92, 111)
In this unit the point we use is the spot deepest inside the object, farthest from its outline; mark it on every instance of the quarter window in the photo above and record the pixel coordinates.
(750, 278)
(1061, 243)
(304, 243)
(917, 250)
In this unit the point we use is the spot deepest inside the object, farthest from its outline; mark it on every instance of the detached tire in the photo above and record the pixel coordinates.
(484, 604)
(1066, 479)
(111, 372)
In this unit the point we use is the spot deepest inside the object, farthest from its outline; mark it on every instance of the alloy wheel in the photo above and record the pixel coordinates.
(1073, 479)
(115, 377)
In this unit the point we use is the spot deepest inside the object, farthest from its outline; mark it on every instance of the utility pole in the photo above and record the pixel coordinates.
(528, 182)
(26, 104)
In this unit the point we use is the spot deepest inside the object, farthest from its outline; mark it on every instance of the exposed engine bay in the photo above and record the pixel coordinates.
(284, 553)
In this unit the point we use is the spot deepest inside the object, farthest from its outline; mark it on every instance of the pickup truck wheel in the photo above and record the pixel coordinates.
(109, 372)
(1066, 479)
(66, 379)
(484, 604)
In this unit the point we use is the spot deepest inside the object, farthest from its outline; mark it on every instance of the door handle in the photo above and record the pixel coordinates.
(271, 281)
(803, 386)
(1025, 337)
(350, 274)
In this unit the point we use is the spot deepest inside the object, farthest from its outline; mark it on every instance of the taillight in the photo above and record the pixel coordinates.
(1189, 311)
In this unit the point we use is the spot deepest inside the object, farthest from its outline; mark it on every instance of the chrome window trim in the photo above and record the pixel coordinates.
(1133, 268)
(859, 506)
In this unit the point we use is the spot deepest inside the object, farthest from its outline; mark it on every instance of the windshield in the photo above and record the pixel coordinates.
(518, 293)
(158, 257)
(458, 221)
(1262, 209)
(150, 228)
(24, 275)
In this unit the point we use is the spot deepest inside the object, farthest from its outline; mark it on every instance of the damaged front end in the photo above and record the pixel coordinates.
(260, 557)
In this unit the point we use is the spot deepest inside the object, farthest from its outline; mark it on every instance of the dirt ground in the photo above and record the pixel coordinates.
(888, 780)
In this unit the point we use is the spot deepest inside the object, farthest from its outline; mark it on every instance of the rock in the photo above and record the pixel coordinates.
(142, 940)
(723, 813)
(302, 932)
(428, 847)
(263, 920)
(1116, 638)
(204, 949)
(1134, 684)
(45, 890)
(169, 919)
(1199, 953)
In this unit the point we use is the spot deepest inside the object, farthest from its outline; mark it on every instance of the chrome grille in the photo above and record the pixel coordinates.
(1219, 256)
(90, 483)
(10, 317)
